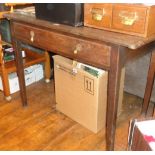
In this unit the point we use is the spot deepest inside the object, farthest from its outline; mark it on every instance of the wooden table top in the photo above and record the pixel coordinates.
(132, 42)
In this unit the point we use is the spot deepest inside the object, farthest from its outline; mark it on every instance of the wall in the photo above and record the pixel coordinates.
(136, 76)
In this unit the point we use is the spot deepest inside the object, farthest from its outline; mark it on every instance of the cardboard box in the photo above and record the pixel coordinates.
(30, 78)
(13, 83)
(39, 72)
(29, 75)
(81, 93)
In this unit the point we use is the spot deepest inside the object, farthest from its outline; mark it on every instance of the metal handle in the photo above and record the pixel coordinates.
(72, 72)
(128, 18)
(32, 36)
(77, 48)
(97, 13)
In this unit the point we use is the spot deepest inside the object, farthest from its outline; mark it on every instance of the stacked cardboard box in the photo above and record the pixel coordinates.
(32, 74)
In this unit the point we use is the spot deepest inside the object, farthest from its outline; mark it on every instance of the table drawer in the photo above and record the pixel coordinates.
(129, 18)
(73, 47)
(98, 15)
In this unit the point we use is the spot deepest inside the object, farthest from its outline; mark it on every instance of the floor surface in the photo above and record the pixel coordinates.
(40, 127)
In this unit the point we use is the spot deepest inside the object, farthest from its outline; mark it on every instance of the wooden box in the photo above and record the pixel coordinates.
(134, 19)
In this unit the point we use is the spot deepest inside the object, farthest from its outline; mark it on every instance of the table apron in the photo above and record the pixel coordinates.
(83, 50)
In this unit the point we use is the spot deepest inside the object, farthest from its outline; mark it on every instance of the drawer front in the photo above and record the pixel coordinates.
(86, 51)
(98, 15)
(129, 18)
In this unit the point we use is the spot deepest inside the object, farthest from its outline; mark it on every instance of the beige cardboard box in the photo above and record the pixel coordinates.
(79, 94)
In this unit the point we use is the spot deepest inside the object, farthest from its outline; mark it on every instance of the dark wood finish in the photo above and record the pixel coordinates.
(64, 44)
(149, 85)
(113, 47)
(20, 71)
(116, 63)
(134, 19)
(132, 42)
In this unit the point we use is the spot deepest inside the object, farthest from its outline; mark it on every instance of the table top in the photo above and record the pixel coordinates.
(129, 41)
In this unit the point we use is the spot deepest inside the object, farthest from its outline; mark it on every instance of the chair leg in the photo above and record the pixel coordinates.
(47, 67)
(6, 87)
(149, 85)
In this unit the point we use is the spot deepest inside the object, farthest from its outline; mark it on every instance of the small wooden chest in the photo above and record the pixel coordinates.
(134, 19)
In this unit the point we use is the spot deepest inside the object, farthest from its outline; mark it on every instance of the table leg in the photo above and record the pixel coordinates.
(20, 71)
(5, 83)
(149, 84)
(117, 61)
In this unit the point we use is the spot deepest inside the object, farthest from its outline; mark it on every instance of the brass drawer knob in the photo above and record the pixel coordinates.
(75, 51)
(32, 36)
(77, 48)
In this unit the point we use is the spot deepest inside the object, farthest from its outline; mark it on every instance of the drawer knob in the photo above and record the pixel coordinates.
(31, 36)
(77, 48)
(128, 18)
(97, 13)
(75, 51)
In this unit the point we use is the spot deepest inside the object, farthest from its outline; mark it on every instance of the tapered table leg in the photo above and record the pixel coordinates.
(20, 71)
(149, 85)
(116, 64)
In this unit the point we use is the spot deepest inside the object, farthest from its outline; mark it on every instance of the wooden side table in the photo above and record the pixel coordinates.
(9, 67)
(149, 85)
